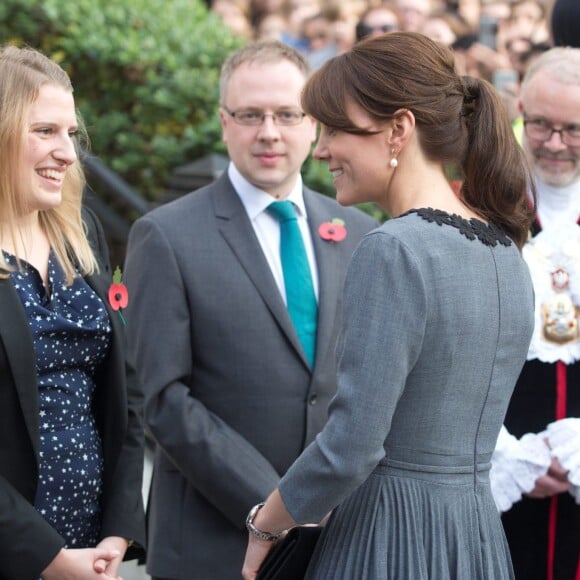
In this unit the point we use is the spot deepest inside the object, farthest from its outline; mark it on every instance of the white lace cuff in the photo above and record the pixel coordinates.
(516, 465)
(564, 439)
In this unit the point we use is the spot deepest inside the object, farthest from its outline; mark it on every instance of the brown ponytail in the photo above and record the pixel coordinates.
(496, 175)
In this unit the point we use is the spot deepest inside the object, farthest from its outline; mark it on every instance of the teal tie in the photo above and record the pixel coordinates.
(300, 296)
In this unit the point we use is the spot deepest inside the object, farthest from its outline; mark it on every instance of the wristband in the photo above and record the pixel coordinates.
(266, 536)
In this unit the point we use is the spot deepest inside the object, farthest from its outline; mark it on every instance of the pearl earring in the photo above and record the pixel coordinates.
(393, 162)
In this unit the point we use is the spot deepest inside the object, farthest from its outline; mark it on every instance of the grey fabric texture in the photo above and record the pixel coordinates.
(230, 399)
(436, 330)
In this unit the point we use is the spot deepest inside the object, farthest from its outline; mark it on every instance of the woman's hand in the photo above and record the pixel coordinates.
(255, 556)
(273, 517)
(111, 544)
(80, 564)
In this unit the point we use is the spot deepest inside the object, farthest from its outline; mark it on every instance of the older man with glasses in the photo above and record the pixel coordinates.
(232, 320)
(536, 465)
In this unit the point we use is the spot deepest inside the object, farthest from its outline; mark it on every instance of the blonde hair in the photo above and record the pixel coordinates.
(22, 72)
(261, 51)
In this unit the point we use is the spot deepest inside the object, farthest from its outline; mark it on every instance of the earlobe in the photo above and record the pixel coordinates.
(224, 123)
(224, 119)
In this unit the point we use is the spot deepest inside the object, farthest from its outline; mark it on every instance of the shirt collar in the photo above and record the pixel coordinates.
(559, 197)
(256, 200)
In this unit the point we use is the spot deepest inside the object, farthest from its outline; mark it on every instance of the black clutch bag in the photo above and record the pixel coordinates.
(289, 559)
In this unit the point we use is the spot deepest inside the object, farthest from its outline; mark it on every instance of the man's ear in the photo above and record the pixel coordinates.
(224, 123)
(314, 132)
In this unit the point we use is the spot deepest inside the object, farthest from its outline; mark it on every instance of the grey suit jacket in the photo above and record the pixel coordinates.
(229, 397)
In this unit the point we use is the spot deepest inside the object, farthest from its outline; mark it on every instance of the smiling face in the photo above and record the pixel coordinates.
(48, 148)
(546, 99)
(359, 163)
(269, 155)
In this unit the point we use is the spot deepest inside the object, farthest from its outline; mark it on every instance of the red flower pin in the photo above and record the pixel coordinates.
(118, 294)
(456, 186)
(332, 231)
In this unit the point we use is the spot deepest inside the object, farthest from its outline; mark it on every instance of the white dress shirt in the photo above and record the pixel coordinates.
(267, 227)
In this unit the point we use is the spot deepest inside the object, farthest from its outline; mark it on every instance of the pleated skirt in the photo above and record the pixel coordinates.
(405, 525)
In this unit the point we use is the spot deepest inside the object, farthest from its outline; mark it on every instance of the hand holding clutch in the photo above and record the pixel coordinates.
(289, 559)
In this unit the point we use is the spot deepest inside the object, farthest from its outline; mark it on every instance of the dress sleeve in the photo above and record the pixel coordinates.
(379, 346)
(516, 465)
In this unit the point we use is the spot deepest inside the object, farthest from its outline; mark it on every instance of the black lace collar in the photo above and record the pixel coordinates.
(488, 234)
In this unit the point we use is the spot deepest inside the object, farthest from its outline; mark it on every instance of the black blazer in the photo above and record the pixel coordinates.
(27, 542)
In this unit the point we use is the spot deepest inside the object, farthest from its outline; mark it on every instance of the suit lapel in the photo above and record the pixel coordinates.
(110, 401)
(17, 339)
(329, 264)
(235, 227)
(100, 284)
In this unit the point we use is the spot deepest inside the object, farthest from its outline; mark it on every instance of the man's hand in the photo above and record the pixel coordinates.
(553, 483)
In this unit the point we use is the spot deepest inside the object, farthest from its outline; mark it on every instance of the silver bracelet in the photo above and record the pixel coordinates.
(266, 536)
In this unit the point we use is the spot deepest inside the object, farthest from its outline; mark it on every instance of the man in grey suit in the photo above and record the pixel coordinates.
(231, 398)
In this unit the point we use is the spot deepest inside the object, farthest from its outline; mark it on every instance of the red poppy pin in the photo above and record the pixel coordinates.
(456, 185)
(332, 231)
(118, 294)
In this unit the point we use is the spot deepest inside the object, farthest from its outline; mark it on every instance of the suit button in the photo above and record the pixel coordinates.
(313, 399)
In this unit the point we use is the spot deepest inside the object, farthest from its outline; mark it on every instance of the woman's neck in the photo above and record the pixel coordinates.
(429, 188)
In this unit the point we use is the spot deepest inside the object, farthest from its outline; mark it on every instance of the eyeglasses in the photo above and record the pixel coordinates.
(363, 29)
(254, 117)
(542, 130)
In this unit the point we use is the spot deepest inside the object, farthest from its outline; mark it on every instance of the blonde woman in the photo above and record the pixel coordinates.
(70, 443)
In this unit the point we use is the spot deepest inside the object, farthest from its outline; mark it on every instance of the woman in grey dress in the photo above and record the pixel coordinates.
(437, 319)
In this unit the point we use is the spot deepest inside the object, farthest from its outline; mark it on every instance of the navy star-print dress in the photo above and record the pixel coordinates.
(71, 332)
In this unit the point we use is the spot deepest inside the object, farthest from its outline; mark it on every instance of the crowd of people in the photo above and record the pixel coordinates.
(491, 39)
(488, 35)
(410, 386)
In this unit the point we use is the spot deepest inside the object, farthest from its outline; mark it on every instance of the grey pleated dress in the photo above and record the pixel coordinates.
(438, 317)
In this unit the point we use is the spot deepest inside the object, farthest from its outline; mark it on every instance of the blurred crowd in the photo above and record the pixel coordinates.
(491, 39)
(488, 36)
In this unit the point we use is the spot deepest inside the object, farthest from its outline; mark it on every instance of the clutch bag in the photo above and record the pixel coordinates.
(289, 559)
